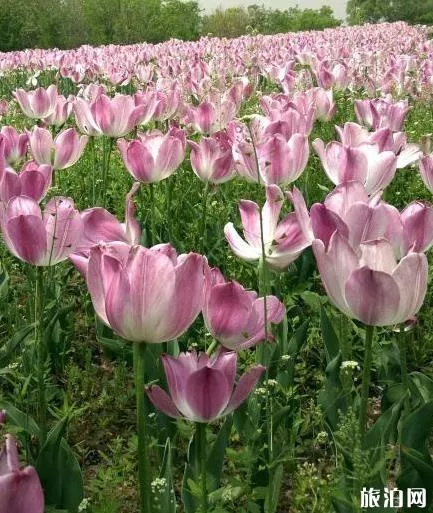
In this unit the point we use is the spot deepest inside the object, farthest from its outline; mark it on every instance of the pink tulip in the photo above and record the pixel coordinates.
(369, 284)
(284, 241)
(63, 152)
(145, 295)
(20, 489)
(211, 159)
(417, 221)
(365, 163)
(15, 144)
(202, 388)
(37, 104)
(113, 117)
(41, 239)
(154, 156)
(61, 113)
(100, 226)
(323, 102)
(234, 316)
(382, 113)
(426, 171)
(355, 135)
(210, 117)
(32, 181)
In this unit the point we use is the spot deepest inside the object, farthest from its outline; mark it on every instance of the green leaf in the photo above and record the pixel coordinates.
(216, 455)
(273, 495)
(60, 472)
(165, 498)
(20, 419)
(8, 349)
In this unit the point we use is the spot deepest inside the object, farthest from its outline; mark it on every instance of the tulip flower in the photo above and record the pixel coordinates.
(382, 113)
(62, 152)
(32, 181)
(234, 316)
(211, 159)
(369, 284)
(154, 156)
(202, 388)
(211, 116)
(20, 489)
(284, 241)
(15, 144)
(41, 239)
(426, 171)
(61, 113)
(365, 163)
(37, 104)
(101, 226)
(323, 102)
(145, 295)
(355, 135)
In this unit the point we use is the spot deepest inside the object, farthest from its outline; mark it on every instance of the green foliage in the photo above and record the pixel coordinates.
(416, 11)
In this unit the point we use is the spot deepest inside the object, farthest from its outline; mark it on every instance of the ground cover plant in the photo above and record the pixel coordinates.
(214, 275)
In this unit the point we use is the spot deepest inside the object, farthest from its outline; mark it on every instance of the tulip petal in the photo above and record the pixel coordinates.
(162, 401)
(245, 386)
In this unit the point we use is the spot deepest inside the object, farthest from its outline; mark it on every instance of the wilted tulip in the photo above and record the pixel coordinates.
(145, 294)
(154, 156)
(15, 144)
(368, 283)
(203, 389)
(212, 160)
(37, 104)
(235, 316)
(284, 241)
(63, 152)
(365, 163)
(32, 181)
(382, 113)
(41, 239)
(20, 489)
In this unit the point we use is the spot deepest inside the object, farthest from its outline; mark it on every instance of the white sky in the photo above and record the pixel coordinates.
(339, 6)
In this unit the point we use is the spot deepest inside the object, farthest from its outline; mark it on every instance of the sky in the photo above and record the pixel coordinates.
(339, 6)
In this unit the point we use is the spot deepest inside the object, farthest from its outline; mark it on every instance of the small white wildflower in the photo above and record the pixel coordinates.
(349, 364)
(227, 495)
(158, 484)
(84, 505)
(272, 383)
(285, 358)
(260, 391)
(322, 436)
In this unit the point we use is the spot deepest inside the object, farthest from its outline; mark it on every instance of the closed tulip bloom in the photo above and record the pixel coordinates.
(235, 316)
(20, 489)
(62, 152)
(154, 156)
(382, 113)
(203, 388)
(365, 163)
(15, 144)
(37, 104)
(426, 171)
(324, 103)
(417, 221)
(212, 160)
(62, 111)
(368, 283)
(145, 294)
(284, 240)
(32, 181)
(41, 239)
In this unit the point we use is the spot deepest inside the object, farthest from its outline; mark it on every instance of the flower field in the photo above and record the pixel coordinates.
(214, 275)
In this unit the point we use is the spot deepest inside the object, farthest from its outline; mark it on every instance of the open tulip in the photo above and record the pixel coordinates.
(62, 111)
(20, 489)
(41, 239)
(15, 144)
(368, 283)
(154, 156)
(235, 316)
(145, 295)
(37, 104)
(32, 181)
(211, 159)
(426, 171)
(284, 241)
(382, 113)
(365, 163)
(211, 116)
(62, 152)
(202, 388)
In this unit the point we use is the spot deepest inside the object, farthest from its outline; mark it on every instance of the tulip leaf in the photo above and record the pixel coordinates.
(4, 282)
(59, 471)
(8, 349)
(215, 459)
(165, 497)
(20, 419)
(273, 494)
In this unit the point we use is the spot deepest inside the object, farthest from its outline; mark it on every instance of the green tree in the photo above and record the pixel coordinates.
(371, 11)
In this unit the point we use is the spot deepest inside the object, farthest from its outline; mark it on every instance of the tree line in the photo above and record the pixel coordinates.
(71, 23)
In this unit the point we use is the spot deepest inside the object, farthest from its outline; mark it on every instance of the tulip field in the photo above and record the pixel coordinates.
(214, 275)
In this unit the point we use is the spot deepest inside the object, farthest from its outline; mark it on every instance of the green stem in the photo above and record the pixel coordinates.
(93, 150)
(366, 378)
(41, 354)
(105, 172)
(139, 356)
(211, 348)
(204, 205)
(403, 366)
(152, 236)
(202, 459)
